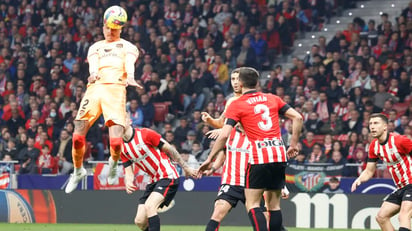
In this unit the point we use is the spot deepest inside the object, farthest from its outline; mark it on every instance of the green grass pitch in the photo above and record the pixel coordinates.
(113, 227)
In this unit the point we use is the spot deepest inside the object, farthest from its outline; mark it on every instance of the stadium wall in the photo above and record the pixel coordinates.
(192, 208)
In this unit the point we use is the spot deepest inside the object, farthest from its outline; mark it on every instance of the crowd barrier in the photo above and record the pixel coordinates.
(299, 178)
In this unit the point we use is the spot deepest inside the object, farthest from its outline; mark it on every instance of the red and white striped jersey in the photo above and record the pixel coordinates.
(259, 115)
(237, 158)
(142, 149)
(396, 153)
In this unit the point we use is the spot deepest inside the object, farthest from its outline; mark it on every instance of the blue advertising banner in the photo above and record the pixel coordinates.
(206, 184)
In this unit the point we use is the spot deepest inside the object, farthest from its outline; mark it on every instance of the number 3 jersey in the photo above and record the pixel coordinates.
(259, 115)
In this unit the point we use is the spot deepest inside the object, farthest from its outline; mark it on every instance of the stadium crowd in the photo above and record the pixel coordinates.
(188, 49)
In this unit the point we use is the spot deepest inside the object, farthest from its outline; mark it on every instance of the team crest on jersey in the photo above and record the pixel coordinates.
(119, 45)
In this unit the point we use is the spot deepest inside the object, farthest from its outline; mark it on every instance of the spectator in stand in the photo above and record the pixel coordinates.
(148, 110)
(62, 151)
(317, 155)
(333, 186)
(308, 143)
(46, 161)
(313, 123)
(27, 158)
(136, 113)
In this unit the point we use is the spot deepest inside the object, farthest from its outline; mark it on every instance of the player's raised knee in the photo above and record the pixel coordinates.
(79, 141)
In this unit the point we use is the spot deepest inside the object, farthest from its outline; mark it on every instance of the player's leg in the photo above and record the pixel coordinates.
(114, 112)
(255, 212)
(152, 203)
(141, 217)
(272, 201)
(227, 198)
(88, 112)
(276, 181)
(255, 184)
(405, 215)
(115, 134)
(162, 195)
(387, 210)
(220, 210)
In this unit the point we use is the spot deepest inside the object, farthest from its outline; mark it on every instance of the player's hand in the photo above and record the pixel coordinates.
(93, 78)
(292, 152)
(190, 172)
(213, 134)
(132, 82)
(355, 185)
(209, 172)
(130, 186)
(206, 117)
(203, 168)
(285, 193)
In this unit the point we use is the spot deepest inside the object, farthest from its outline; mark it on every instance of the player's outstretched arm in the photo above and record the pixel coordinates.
(130, 60)
(213, 134)
(129, 179)
(365, 175)
(216, 123)
(297, 124)
(175, 156)
(220, 159)
(218, 146)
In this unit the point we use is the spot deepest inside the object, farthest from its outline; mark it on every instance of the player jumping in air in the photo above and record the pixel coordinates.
(111, 67)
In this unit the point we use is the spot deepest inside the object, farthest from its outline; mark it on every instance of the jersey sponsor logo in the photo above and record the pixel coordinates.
(269, 143)
(235, 149)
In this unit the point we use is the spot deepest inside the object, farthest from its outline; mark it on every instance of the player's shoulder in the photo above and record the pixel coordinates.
(148, 131)
(127, 44)
(97, 44)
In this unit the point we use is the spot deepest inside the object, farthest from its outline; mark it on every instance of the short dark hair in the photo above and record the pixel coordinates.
(383, 117)
(248, 76)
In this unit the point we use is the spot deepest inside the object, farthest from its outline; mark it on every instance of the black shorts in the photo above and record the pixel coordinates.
(403, 194)
(232, 194)
(269, 176)
(166, 187)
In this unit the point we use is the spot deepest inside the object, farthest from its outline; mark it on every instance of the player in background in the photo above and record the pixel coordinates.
(147, 150)
(234, 163)
(258, 114)
(111, 67)
(395, 151)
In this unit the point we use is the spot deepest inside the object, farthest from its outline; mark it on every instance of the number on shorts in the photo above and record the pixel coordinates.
(266, 122)
(86, 101)
(223, 189)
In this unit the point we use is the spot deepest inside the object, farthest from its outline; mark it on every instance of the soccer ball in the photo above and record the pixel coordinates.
(115, 17)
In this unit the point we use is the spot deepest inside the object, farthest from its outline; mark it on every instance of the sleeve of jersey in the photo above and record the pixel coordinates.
(151, 137)
(404, 145)
(132, 53)
(93, 60)
(232, 114)
(282, 105)
(372, 157)
(125, 161)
